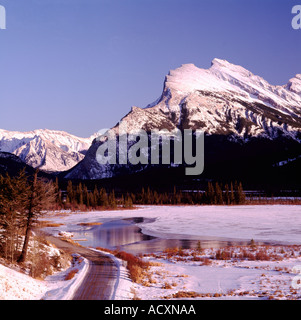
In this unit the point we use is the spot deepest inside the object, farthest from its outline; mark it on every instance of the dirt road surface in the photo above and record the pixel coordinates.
(101, 280)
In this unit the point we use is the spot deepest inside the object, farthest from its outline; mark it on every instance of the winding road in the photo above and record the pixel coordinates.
(101, 280)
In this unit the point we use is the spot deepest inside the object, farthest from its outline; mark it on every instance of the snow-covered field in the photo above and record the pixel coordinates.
(200, 276)
(172, 277)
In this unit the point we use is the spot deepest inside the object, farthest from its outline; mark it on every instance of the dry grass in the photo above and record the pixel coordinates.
(166, 285)
(186, 294)
(71, 274)
(138, 269)
(171, 252)
(70, 241)
(48, 224)
(87, 224)
(223, 255)
(252, 253)
(205, 261)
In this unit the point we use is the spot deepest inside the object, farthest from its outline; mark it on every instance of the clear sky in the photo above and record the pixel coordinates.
(79, 65)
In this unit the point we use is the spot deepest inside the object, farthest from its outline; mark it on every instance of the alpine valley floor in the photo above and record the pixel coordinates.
(238, 272)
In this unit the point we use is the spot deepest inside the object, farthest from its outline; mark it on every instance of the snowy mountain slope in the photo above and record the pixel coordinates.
(47, 149)
(225, 100)
(216, 99)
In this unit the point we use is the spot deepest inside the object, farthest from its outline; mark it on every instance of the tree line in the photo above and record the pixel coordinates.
(79, 197)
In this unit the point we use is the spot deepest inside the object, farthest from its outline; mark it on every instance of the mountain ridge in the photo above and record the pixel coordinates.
(48, 150)
(225, 100)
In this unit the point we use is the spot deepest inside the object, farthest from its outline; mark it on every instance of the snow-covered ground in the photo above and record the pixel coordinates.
(201, 276)
(219, 279)
(15, 285)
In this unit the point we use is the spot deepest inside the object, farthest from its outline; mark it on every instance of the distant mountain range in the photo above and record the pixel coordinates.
(48, 150)
(252, 131)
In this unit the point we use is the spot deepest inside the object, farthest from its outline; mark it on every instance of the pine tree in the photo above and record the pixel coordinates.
(232, 195)
(156, 198)
(198, 198)
(210, 194)
(40, 195)
(129, 201)
(91, 201)
(218, 194)
(112, 199)
(58, 193)
(122, 201)
(103, 198)
(86, 198)
(95, 197)
(241, 197)
(79, 194)
(148, 197)
(70, 192)
(227, 195)
(13, 201)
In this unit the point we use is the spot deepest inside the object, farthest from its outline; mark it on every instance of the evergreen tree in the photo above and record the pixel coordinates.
(79, 194)
(70, 192)
(232, 195)
(13, 201)
(91, 200)
(103, 198)
(129, 202)
(86, 198)
(95, 197)
(142, 196)
(210, 194)
(58, 193)
(112, 199)
(218, 194)
(40, 196)
(227, 195)
(241, 197)
(156, 198)
(148, 197)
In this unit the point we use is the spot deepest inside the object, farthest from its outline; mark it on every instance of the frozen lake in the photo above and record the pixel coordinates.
(151, 228)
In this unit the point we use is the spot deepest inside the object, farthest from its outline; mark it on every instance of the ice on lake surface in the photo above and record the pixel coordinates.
(183, 226)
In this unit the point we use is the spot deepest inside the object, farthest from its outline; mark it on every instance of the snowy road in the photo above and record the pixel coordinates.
(102, 275)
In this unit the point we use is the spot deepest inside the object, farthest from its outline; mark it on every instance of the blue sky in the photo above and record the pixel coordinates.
(79, 65)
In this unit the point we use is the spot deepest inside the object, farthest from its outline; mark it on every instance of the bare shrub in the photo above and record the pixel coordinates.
(71, 274)
(262, 255)
(167, 285)
(223, 255)
(186, 294)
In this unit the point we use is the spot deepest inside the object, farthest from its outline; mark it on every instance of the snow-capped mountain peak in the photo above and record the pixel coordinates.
(225, 100)
(294, 84)
(223, 76)
(49, 150)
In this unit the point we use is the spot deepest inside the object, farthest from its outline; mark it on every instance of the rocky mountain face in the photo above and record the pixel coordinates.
(48, 150)
(249, 124)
